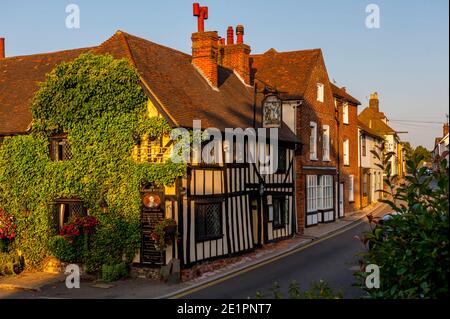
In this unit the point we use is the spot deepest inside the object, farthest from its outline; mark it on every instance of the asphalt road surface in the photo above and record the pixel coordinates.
(333, 260)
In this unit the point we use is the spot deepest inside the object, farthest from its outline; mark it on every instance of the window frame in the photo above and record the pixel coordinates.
(327, 192)
(363, 145)
(345, 113)
(326, 143)
(351, 188)
(207, 237)
(346, 152)
(281, 169)
(313, 145)
(320, 92)
(61, 205)
(57, 151)
(280, 217)
(311, 193)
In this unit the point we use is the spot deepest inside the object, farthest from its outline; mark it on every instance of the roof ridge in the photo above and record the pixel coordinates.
(154, 43)
(274, 51)
(46, 53)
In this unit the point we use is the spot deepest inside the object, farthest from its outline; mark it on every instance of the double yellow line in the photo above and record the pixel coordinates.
(265, 262)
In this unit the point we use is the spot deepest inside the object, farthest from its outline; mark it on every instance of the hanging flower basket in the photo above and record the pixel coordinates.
(163, 234)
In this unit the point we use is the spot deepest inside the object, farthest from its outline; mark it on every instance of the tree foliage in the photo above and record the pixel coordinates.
(98, 101)
(411, 248)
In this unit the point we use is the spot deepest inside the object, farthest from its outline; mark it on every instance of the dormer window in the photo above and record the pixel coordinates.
(320, 92)
(60, 149)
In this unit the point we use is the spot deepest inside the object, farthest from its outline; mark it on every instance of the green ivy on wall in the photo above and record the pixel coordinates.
(98, 101)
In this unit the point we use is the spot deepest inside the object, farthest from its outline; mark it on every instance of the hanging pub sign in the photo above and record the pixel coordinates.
(271, 111)
(151, 200)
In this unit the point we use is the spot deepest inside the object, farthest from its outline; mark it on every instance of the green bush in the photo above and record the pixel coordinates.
(412, 248)
(63, 250)
(114, 272)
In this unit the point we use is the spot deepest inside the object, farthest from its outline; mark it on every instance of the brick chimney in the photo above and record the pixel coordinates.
(236, 56)
(445, 129)
(374, 102)
(2, 48)
(205, 47)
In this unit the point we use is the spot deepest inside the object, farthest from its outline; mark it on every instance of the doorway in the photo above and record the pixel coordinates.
(341, 200)
(255, 208)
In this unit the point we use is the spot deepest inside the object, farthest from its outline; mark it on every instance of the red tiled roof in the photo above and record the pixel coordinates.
(369, 130)
(285, 71)
(19, 80)
(343, 94)
(374, 119)
(168, 76)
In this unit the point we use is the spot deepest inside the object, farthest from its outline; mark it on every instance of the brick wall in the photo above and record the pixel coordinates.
(349, 131)
(323, 114)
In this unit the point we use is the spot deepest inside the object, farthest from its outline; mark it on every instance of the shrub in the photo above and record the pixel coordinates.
(411, 249)
(63, 250)
(114, 272)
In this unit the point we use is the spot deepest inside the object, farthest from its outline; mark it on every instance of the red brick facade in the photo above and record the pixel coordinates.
(349, 131)
(322, 113)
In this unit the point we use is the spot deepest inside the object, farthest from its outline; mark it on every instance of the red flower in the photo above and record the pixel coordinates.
(7, 226)
(79, 225)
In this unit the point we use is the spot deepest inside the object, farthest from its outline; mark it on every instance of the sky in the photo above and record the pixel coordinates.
(405, 60)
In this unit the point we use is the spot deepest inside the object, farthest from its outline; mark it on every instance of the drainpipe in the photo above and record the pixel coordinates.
(338, 162)
(360, 170)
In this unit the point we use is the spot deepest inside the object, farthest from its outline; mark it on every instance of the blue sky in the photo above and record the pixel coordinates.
(406, 60)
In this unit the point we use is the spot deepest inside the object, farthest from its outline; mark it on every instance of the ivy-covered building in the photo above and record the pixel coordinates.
(86, 132)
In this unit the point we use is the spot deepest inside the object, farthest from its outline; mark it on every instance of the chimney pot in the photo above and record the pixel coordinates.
(240, 34)
(230, 36)
(202, 14)
(374, 102)
(2, 48)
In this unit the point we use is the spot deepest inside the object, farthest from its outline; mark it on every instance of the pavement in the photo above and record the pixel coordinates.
(44, 285)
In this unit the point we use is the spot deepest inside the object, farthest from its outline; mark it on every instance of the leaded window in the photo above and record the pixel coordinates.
(208, 221)
(60, 149)
(67, 209)
(279, 212)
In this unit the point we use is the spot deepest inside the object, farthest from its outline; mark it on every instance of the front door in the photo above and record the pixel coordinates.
(255, 207)
(341, 200)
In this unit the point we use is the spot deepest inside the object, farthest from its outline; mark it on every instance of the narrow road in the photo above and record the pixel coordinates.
(333, 260)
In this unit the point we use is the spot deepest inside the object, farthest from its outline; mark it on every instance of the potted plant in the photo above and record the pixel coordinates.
(164, 232)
